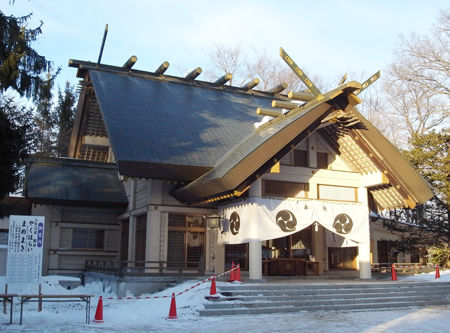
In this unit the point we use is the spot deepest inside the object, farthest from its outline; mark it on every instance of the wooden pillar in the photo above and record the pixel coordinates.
(364, 260)
(255, 260)
(131, 237)
(132, 221)
(254, 247)
(152, 238)
(365, 271)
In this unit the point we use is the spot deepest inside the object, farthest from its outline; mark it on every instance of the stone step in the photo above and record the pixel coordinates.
(384, 285)
(311, 303)
(260, 298)
(302, 298)
(337, 291)
(341, 307)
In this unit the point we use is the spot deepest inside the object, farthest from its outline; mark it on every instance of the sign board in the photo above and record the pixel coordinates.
(25, 249)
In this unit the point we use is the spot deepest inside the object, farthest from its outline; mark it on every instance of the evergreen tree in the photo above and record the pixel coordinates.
(65, 114)
(430, 156)
(17, 139)
(20, 65)
(45, 120)
(21, 69)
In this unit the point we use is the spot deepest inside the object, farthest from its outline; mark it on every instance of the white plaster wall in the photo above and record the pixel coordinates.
(59, 224)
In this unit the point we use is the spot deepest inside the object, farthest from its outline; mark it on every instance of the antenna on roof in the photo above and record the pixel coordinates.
(103, 45)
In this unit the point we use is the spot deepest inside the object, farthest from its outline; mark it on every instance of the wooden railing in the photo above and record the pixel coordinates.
(145, 268)
(402, 267)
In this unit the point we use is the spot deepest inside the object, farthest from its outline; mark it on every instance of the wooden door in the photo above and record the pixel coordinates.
(342, 258)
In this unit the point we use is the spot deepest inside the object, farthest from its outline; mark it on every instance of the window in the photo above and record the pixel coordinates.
(300, 158)
(339, 193)
(237, 253)
(273, 188)
(296, 158)
(186, 240)
(88, 239)
(322, 160)
(94, 153)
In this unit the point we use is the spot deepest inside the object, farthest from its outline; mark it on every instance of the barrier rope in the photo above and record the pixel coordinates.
(414, 266)
(179, 293)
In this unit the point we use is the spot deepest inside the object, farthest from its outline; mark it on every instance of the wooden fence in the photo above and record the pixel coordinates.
(145, 268)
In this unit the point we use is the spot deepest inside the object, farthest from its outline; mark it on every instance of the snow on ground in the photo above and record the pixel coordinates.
(149, 315)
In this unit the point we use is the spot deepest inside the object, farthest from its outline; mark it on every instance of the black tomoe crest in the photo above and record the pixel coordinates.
(286, 220)
(343, 224)
(235, 223)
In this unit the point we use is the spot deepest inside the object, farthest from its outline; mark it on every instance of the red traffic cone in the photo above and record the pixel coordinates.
(232, 274)
(438, 275)
(393, 273)
(173, 308)
(99, 312)
(237, 276)
(213, 291)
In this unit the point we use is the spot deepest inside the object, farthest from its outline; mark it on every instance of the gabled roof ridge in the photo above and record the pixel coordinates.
(87, 65)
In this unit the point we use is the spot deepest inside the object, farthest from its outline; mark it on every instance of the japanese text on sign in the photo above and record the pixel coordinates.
(25, 245)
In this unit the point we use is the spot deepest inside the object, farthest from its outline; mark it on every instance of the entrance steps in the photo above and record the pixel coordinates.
(278, 298)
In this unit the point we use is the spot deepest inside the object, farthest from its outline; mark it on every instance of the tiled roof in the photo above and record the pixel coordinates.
(72, 180)
(158, 121)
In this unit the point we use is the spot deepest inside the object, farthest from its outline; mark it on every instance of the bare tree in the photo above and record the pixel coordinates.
(227, 60)
(418, 89)
(271, 71)
(235, 60)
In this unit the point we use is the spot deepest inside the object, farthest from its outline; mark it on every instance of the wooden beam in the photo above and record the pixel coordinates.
(194, 74)
(279, 88)
(269, 112)
(344, 78)
(250, 85)
(374, 179)
(130, 62)
(224, 79)
(284, 105)
(304, 96)
(299, 73)
(334, 116)
(368, 82)
(162, 68)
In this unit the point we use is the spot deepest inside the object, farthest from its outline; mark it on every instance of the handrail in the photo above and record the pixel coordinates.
(145, 267)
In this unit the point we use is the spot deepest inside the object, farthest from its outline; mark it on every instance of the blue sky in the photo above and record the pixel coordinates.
(327, 38)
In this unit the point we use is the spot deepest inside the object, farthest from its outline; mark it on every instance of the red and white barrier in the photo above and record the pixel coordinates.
(184, 291)
(173, 307)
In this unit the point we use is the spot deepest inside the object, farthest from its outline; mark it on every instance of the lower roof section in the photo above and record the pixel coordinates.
(77, 182)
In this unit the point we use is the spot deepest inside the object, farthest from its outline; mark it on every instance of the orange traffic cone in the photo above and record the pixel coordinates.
(393, 273)
(213, 291)
(237, 276)
(99, 312)
(173, 308)
(438, 275)
(232, 273)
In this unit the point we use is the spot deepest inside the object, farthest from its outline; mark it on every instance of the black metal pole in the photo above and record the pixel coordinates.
(103, 45)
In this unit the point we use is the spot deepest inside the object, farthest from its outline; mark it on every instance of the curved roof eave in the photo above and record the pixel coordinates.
(258, 149)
